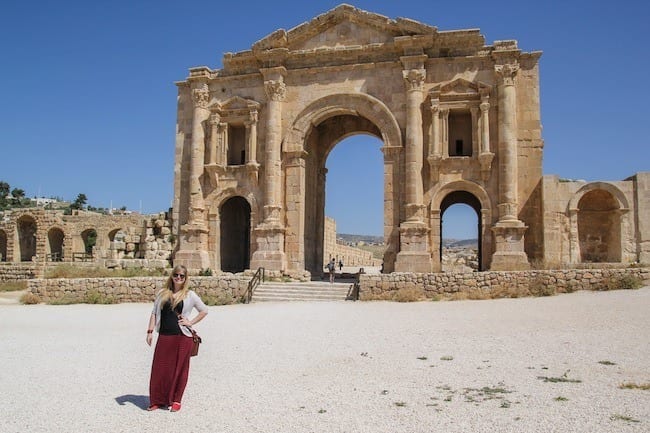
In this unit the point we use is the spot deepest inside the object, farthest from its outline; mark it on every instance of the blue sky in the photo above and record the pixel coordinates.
(89, 101)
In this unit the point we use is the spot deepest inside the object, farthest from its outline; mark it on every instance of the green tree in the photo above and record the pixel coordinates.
(79, 202)
(4, 192)
(18, 194)
(4, 189)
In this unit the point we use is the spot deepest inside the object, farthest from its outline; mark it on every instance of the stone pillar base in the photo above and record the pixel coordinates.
(416, 262)
(509, 254)
(414, 252)
(193, 260)
(270, 245)
(193, 253)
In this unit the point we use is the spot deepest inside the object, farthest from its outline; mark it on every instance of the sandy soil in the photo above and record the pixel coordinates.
(513, 365)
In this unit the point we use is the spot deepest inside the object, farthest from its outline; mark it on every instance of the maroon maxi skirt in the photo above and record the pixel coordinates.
(170, 369)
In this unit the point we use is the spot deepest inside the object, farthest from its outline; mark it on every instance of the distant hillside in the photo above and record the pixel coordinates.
(351, 239)
(355, 239)
(460, 243)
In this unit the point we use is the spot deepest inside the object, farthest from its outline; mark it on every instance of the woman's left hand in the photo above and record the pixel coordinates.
(184, 322)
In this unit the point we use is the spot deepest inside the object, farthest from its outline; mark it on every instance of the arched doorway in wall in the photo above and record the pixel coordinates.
(599, 227)
(26, 244)
(3, 246)
(354, 194)
(460, 217)
(55, 238)
(330, 133)
(235, 222)
(89, 238)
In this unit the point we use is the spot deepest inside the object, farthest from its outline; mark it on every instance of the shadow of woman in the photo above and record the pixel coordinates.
(141, 401)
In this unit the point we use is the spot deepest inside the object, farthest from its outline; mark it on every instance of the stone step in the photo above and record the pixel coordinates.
(314, 291)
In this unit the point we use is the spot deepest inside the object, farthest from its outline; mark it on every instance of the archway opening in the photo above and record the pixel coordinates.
(345, 174)
(354, 199)
(461, 233)
(3, 246)
(55, 238)
(89, 238)
(235, 218)
(599, 227)
(26, 226)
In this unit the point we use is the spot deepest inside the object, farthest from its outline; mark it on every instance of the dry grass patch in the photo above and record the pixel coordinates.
(70, 271)
(631, 385)
(30, 298)
(13, 286)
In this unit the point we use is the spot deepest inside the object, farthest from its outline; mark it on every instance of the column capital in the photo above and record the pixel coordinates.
(484, 106)
(215, 119)
(506, 73)
(414, 79)
(201, 95)
(275, 90)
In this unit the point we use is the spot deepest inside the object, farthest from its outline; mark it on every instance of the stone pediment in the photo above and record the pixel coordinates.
(236, 109)
(236, 104)
(342, 26)
(460, 88)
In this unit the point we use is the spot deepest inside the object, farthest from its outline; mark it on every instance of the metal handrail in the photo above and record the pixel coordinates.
(353, 293)
(252, 284)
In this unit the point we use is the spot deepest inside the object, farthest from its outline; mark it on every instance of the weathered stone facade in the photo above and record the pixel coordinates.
(460, 123)
(40, 235)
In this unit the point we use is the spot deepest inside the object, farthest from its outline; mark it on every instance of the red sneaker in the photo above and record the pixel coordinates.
(176, 406)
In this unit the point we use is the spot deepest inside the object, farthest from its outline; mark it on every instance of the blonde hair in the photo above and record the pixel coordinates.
(166, 294)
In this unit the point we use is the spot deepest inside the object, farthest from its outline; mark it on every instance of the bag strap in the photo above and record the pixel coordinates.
(189, 328)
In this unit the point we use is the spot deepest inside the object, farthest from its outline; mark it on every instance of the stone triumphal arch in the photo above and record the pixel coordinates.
(460, 123)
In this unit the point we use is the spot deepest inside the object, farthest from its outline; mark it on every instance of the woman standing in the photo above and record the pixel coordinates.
(171, 358)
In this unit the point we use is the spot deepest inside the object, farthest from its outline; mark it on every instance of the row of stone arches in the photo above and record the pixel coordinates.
(25, 240)
(596, 213)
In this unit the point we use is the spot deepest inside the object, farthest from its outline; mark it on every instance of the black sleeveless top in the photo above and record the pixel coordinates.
(169, 319)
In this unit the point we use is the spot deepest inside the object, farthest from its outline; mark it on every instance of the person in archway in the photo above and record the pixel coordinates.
(331, 267)
(341, 265)
(171, 359)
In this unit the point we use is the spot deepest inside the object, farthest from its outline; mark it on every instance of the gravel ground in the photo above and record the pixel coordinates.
(464, 366)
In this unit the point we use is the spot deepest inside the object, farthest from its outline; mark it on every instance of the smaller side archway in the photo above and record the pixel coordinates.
(235, 227)
(26, 245)
(473, 195)
(463, 197)
(597, 215)
(3, 246)
(55, 238)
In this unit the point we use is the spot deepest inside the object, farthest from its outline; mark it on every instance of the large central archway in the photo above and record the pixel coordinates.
(321, 126)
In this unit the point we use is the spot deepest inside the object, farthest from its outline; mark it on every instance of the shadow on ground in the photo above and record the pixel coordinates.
(141, 401)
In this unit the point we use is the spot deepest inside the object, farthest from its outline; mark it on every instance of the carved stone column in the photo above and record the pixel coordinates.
(414, 253)
(194, 234)
(485, 157)
(509, 230)
(435, 153)
(252, 165)
(213, 150)
(270, 233)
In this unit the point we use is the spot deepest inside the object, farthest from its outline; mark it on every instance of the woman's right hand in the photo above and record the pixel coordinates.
(149, 339)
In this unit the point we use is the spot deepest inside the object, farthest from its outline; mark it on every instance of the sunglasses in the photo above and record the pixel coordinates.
(181, 276)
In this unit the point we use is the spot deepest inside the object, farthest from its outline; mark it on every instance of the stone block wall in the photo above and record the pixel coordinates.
(227, 289)
(433, 285)
(18, 271)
